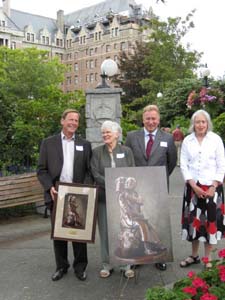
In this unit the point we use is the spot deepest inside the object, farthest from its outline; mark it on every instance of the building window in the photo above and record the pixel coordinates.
(59, 42)
(87, 77)
(116, 31)
(76, 67)
(100, 35)
(96, 50)
(13, 45)
(116, 58)
(76, 80)
(83, 39)
(75, 55)
(43, 39)
(91, 52)
(107, 49)
(69, 68)
(91, 77)
(28, 36)
(115, 46)
(87, 64)
(96, 63)
(91, 64)
(32, 37)
(69, 56)
(2, 23)
(68, 80)
(69, 43)
(123, 46)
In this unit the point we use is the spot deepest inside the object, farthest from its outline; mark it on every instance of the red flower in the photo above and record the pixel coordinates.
(205, 260)
(221, 253)
(208, 296)
(199, 283)
(191, 274)
(190, 290)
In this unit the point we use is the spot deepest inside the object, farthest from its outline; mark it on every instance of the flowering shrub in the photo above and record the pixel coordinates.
(210, 99)
(206, 285)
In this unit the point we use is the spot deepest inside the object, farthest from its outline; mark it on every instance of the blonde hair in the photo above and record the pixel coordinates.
(151, 107)
(69, 110)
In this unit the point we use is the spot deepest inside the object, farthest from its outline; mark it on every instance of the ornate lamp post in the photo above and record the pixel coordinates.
(108, 68)
(205, 75)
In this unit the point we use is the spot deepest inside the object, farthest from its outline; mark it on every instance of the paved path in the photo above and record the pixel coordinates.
(27, 262)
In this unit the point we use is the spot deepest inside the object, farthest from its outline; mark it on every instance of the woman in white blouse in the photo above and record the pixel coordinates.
(203, 168)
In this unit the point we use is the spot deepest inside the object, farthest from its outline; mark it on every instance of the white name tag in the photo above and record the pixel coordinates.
(120, 155)
(79, 148)
(163, 144)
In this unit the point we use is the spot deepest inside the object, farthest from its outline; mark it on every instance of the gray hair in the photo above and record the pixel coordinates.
(113, 126)
(208, 119)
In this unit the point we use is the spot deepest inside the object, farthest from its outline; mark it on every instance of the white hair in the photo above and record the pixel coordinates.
(208, 119)
(113, 126)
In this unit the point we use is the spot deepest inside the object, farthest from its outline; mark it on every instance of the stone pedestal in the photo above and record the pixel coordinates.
(101, 104)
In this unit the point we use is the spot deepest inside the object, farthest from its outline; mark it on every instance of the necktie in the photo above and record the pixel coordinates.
(149, 145)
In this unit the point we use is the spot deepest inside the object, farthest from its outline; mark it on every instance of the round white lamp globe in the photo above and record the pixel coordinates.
(109, 67)
(159, 95)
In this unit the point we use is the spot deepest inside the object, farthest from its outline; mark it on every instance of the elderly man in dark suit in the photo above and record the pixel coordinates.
(153, 147)
(65, 157)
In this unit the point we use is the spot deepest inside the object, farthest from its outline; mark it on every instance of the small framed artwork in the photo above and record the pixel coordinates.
(74, 214)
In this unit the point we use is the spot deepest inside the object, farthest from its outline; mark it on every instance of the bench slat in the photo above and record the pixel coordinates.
(20, 189)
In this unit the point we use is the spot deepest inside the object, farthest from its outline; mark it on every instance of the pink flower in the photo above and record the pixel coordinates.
(205, 260)
(190, 290)
(191, 274)
(208, 296)
(221, 253)
(199, 283)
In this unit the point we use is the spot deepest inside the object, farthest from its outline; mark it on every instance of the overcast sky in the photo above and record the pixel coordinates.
(207, 36)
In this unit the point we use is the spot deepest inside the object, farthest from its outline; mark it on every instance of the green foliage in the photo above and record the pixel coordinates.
(132, 70)
(183, 122)
(161, 293)
(207, 284)
(31, 103)
(168, 59)
(219, 125)
(161, 64)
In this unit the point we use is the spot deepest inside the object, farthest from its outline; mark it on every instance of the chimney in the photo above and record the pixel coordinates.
(60, 20)
(6, 7)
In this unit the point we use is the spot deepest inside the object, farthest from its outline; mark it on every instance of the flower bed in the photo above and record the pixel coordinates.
(206, 285)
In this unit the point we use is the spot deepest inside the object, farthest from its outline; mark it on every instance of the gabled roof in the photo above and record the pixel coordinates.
(22, 19)
(86, 15)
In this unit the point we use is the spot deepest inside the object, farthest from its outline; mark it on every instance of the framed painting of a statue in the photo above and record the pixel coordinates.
(74, 214)
(138, 215)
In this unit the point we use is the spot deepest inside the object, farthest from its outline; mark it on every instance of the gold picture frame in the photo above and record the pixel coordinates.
(74, 213)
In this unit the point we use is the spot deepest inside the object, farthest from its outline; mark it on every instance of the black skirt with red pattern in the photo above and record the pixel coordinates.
(203, 219)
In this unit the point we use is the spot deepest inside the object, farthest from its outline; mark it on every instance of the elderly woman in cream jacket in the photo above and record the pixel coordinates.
(110, 154)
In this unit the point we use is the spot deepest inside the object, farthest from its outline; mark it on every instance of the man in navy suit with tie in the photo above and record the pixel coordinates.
(65, 157)
(153, 147)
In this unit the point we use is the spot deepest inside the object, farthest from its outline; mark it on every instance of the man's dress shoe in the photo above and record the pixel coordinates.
(81, 275)
(161, 266)
(59, 274)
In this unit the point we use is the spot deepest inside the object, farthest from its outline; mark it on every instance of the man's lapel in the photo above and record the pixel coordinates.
(141, 141)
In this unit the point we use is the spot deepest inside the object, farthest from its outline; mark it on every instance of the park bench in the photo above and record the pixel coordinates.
(20, 190)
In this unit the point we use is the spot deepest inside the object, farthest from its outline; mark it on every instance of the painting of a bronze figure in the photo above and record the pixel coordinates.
(75, 209)
(136, 238)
